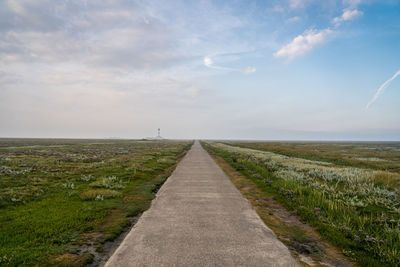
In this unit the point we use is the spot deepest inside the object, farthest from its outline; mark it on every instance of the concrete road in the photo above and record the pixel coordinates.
(199, 218)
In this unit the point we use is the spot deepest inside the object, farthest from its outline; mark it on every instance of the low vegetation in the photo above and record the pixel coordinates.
(356, 209)
(61, 200)
(383, 156)
(306, 245)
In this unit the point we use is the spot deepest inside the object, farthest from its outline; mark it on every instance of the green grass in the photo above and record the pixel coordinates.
(373, 155)
(54, 199)
(368, 233)
(300, 239)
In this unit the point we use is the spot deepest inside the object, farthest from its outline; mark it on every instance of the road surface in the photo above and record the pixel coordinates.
(199, 218)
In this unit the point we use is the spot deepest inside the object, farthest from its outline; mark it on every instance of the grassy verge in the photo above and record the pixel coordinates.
(87, 195)
(384, 156)
(368, 234)
(303, 241)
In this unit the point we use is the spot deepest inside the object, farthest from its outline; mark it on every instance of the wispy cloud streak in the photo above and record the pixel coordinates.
(382, 88)
(208, 62)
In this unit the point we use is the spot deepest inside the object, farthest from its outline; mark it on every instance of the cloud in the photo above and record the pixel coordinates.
(250, 70)
(348, 14)
(98, 36)
(303, 43)
(294, 4)
(118, 58)
(311, 38)
(99, 51)
(352, 3)
(382, 88)
(208, 62)
(293, 19)
(277, 9)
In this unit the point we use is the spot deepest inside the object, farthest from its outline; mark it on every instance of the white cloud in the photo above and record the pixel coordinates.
(208, 62)
(277, 9)
(306, 41)
(352, 3)
(16, 7)
(303, 43)
(348, 14)
(293, 19)
(294, 4)
(250, 70)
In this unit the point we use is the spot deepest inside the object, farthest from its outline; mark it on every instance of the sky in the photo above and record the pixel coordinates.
(266, 70)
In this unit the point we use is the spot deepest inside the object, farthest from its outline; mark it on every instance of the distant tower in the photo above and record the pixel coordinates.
(159, 133)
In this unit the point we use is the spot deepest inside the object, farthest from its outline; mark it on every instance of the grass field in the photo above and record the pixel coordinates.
(353, 205)
(62, 199)
(375, 155)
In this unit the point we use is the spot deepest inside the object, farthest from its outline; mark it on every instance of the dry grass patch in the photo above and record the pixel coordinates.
(389, 179)
(99, 194)
(68, 259)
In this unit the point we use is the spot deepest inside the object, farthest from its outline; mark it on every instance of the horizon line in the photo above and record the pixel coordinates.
(207, 139)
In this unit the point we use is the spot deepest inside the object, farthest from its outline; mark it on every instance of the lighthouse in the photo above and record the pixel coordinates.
(158, 137)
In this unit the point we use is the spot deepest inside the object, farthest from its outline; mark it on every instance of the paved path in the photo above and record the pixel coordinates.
(199, 218)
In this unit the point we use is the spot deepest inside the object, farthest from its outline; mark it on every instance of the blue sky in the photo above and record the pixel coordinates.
(291, 69)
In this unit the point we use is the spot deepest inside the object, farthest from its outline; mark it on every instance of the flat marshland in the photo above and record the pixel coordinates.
(62, 200)
(349, 192)
(374, 155)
